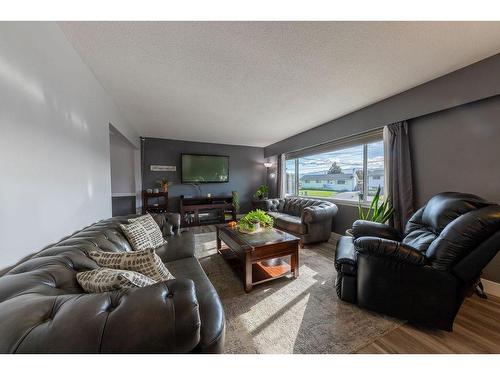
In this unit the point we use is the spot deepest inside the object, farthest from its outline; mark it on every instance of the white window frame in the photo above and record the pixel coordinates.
(362, 139)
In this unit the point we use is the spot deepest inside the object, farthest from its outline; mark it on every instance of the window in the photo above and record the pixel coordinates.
(347, 173)
(290, 177)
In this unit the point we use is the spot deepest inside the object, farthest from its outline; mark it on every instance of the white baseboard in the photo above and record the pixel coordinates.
(491, 287)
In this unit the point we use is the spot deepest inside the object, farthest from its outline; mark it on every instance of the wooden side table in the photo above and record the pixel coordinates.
(159, 207)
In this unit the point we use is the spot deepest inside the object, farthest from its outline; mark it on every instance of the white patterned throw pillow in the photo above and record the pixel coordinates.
(146, 262)
(105, 279)
(143, 233)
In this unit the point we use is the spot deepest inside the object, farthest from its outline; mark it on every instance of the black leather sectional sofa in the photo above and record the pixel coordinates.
(44, 310)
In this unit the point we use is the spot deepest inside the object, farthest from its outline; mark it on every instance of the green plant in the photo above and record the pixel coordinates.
(262, 192)
(236, 201)
(377, 213)
(249, 221)
(163, 181)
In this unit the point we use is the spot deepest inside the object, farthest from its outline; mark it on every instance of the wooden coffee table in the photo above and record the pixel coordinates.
(261, 256)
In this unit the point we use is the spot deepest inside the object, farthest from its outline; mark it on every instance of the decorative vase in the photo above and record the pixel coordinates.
(256, 228)
(165, 188)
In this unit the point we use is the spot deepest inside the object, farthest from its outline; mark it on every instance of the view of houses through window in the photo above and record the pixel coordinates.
(344, 174)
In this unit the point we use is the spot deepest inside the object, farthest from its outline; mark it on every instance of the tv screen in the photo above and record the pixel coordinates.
(204, 168)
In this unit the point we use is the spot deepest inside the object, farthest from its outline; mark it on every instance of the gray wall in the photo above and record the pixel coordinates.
(474, 82)
(459, 150)
(455, 144)
(246, 169)
(54, 142)
(122, 154)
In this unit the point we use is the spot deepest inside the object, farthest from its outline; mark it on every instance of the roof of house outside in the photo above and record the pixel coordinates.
(334, 176)
(376, 172)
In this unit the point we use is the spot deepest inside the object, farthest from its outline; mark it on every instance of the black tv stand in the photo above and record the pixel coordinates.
(206, 210)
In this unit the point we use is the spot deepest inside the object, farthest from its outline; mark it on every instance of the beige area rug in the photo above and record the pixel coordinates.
(289, 315)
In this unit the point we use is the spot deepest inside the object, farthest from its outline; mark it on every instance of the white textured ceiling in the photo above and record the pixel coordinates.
(256, 83)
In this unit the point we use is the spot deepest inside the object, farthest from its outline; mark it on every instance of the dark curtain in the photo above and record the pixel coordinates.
(399, 172)
(279, 176)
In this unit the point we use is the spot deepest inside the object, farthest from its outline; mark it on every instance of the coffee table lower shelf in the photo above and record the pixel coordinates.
(262, 271)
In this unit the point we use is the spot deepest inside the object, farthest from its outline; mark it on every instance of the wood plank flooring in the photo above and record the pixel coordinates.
(476, 330)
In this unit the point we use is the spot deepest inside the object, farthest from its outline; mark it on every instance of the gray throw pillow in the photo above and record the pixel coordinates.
(146, 262)
(143, 233)
(105, 279)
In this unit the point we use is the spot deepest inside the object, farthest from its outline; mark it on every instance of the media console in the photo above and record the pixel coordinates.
(206, 210)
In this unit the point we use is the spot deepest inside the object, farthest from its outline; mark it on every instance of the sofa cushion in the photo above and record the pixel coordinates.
(178, 246)
(291, 224)
(106, 279)
(275, 214)
(145, 262)
(142, 235)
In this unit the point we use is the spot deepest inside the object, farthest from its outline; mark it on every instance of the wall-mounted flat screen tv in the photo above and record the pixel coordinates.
(204, 168)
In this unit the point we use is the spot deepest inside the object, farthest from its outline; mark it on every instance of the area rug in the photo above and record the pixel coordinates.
(287, 315)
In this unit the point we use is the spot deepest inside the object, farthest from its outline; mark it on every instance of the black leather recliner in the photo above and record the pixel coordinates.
(424, 274)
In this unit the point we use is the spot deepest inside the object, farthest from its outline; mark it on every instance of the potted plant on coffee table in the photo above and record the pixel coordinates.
(254, 222)
(378, 212)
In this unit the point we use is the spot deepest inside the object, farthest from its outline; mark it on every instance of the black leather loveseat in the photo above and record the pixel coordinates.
(424, 274)
(310, 219)
(44, 310)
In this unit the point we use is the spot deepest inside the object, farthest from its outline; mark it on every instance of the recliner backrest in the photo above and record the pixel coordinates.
(450, 226)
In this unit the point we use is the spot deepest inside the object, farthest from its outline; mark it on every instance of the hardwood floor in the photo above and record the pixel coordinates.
(476, 330)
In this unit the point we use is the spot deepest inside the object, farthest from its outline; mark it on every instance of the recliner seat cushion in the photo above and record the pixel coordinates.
(420, 239)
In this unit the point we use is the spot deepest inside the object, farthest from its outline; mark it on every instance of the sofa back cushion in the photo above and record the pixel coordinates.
(294, 205)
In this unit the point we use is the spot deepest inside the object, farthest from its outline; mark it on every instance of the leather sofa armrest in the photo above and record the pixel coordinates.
(345, 256)
(160, 318)
(393, 250)
(365, 228)
(314, 214)
(168, 222)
